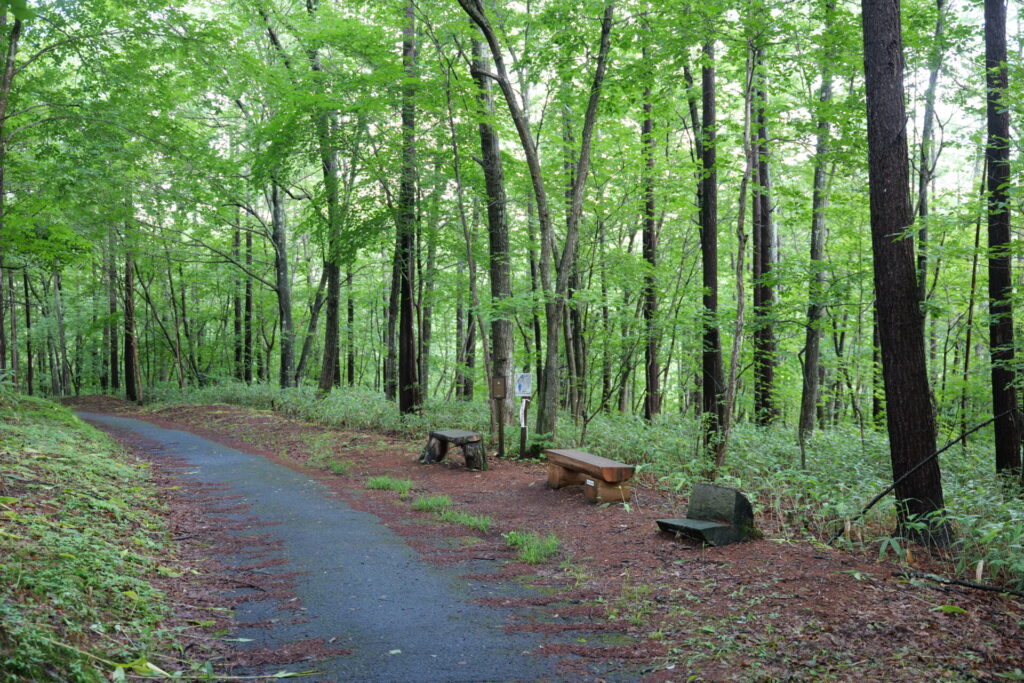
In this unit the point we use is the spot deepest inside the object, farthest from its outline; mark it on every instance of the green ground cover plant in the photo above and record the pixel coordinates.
(532, 548)
(431, 503)
(481, 523)
(386, 483)
(846, 466)
(79, 537)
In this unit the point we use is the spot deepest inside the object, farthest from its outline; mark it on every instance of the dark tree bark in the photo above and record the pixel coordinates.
(816, 289)
(1000, 280)
(652, 368)
(900, 323)
(390, 370)
(350, 330)
(283, 287)
(247, 320)
(236, 306)
(409, 390)
(132, 378)
(497, 227)
(30, 379)
(713, 373)
(765, 410)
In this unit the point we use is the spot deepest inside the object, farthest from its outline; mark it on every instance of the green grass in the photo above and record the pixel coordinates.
(80, 542)
(431, 503)
(386, 483)
(533, 549)
(481, 523)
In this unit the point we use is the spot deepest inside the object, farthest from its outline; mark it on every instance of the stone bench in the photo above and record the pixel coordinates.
(471, 444)
(602, 479)
(717, 515)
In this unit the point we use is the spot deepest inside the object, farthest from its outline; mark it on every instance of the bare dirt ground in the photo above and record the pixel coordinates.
(622, 592)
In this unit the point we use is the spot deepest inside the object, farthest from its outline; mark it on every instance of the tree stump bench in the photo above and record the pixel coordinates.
(471, 444)
(602, 479)
(717, 515)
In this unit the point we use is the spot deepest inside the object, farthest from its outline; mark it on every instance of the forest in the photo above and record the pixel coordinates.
(712, 231)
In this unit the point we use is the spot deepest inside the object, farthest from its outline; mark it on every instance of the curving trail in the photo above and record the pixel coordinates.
(403, 619)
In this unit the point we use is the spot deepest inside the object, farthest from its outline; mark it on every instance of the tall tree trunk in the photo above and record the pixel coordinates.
(30, 379)
(132, 378)
(390, 370)
(1000, 280)
(765, 410)
(409, 391)
(713, 373)
(497, 228)
(283, 286)
(247, 349)
(236, 304)
(968, 349)
(911, 422)
(819, 234)
(652, 369)
(926, 160)
(350, 329)
(3, 316)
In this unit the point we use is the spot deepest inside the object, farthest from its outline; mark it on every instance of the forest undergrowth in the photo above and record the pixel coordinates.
(81, 542)
(846, 468)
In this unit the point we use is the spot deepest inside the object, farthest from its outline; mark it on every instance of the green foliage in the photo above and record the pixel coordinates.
(533, 548)
(80, 541)
(386, 483)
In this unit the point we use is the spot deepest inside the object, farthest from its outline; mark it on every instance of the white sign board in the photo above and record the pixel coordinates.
(524, 384)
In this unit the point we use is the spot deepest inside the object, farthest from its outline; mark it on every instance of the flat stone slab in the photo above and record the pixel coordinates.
(701, 531)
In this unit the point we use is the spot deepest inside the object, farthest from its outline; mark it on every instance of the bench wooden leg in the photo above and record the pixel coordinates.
(434, 451)
(598, 491)
(476, 456)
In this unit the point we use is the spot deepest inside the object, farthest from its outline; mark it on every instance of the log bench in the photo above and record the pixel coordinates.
(603, 480)
(717, 515)
(471, 444)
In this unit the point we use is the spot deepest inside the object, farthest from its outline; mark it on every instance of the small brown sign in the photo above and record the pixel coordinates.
(499, 388)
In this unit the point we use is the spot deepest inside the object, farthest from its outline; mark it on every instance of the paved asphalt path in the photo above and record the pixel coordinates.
(403, 618)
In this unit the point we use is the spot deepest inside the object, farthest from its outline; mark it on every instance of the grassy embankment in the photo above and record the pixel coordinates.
(79, 542)
(846, 467)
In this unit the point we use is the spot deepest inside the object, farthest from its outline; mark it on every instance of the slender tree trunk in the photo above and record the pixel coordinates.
(3, 316)
(1000, 278)
(247, 350)
(497, 228)
(283, 287)
(132, 378)
(236, 305)
(652, 368)
(765, 410)
(409, 390)
(30, 379)
(713, 373)
(911, 422)
(391, 355)
(819, 234)
(968, 348)
(350, 329)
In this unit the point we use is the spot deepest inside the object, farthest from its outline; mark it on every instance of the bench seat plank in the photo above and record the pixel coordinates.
(605, 469)
(455, 436)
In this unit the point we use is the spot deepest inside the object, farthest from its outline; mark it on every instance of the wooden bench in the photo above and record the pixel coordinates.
(602, 479)
(717, 515)
(470, 443)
